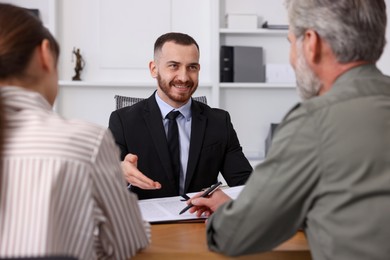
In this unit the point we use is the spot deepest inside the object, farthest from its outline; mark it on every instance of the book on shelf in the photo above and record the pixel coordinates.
(241, 64)
(274, 26)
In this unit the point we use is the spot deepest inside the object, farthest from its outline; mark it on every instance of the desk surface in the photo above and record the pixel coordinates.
(188, 241)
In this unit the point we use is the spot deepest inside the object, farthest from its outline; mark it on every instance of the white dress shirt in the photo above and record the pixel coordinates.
(184, 126)
(62, 189)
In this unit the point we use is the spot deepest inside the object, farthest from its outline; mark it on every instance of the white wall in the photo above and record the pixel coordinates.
(116, 37)
(384, 62)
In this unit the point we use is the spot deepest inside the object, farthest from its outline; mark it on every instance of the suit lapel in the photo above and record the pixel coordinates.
(152, 116)
(198, 128)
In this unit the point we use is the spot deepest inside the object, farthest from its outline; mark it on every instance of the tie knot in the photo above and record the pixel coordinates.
(172, 115)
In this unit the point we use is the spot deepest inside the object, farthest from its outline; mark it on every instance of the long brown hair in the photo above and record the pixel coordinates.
(2, 128)
(20, 33)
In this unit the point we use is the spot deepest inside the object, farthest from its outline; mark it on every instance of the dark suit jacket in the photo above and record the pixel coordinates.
(214, 147)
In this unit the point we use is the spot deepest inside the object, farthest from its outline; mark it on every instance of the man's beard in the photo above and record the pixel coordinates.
(308, 83)
(166, 88)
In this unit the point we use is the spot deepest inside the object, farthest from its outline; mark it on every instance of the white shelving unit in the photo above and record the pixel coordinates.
(246, 85)
(252, 106)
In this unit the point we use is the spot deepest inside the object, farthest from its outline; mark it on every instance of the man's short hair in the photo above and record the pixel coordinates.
(176, 37)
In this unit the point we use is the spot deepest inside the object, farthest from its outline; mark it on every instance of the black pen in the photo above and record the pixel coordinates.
(208, 192)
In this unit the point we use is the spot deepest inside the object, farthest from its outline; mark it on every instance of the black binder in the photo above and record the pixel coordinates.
(226, 64)
(241, 64)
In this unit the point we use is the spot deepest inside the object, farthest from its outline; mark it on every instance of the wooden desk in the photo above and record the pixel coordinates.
(188, 241)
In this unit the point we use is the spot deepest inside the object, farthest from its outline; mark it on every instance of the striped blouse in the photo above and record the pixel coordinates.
(62, 189)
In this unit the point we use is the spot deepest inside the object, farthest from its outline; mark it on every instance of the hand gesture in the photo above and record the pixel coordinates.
(134, 176)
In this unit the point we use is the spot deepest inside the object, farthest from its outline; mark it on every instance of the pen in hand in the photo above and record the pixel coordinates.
(208, 192)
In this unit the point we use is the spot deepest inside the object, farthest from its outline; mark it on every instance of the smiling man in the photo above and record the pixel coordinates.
(206, 143)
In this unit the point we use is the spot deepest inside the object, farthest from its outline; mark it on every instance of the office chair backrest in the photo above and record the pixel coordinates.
(124, 101)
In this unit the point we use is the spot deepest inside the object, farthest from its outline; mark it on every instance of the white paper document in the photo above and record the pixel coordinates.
(167, 209)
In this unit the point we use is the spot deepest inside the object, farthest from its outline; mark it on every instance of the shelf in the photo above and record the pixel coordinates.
(104, 84)
(275, 32)
(257, 85)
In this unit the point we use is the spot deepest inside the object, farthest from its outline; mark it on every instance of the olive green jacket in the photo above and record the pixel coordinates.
(327, 171)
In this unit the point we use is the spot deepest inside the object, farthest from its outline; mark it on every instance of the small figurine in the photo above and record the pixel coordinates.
(80, 63)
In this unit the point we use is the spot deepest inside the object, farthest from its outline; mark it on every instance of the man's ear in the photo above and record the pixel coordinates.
(153, 69)
(312, 46)
(46, 55)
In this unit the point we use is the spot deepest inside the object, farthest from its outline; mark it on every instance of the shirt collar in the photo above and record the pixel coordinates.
(185, 110)
(364, 70)
(17, 98)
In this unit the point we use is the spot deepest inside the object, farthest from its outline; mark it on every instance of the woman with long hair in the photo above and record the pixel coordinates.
(62, 190)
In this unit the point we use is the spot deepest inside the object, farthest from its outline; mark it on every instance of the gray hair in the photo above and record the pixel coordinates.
(355, 29)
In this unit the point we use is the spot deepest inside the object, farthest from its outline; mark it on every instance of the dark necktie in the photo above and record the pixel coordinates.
(173, 144)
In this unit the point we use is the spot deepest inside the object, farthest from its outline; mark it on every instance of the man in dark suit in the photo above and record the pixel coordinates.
(208, 142)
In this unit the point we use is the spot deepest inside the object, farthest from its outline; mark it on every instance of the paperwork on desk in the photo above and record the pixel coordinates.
(167, 209)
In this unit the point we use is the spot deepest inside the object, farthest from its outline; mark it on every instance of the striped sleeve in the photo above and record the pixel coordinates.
(122, 231)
